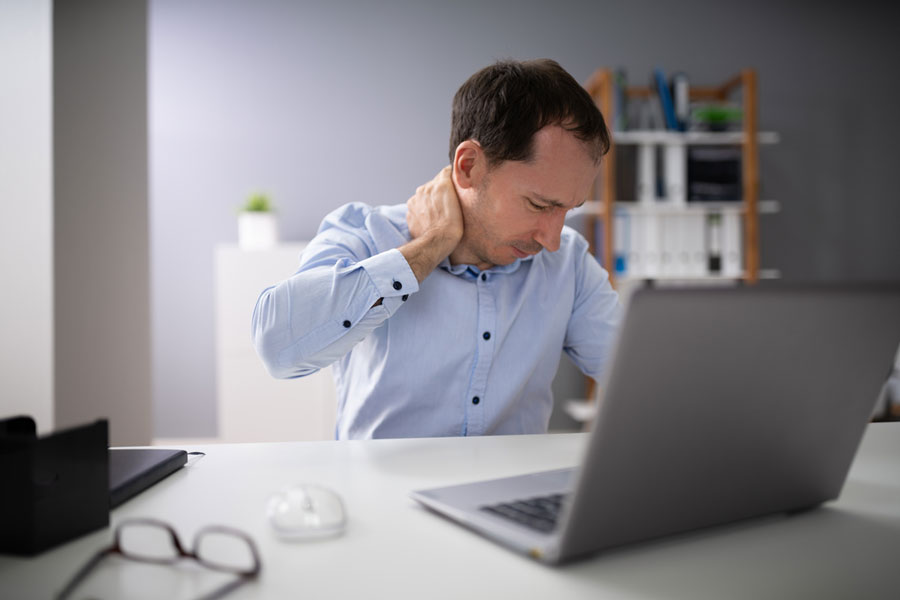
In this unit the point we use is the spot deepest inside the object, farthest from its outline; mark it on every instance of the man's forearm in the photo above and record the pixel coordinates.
(425, 253)
(316, 316)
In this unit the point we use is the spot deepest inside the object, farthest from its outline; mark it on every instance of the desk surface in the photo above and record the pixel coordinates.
(395, 549)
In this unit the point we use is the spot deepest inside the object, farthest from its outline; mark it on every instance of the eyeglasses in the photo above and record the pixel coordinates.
(150, 541)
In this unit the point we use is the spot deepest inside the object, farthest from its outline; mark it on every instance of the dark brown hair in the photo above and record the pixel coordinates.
(502, 106)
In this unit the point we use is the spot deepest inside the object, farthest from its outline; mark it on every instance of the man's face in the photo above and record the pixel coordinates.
(518, 208)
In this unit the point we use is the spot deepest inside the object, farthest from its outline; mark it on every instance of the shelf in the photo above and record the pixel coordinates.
(662, 207)
(703, 138)
(698, 279)
(738, 225)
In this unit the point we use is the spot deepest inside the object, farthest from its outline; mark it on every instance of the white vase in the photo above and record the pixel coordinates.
(257, 230)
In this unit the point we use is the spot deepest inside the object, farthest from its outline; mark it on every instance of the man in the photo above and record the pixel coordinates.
(446, 315)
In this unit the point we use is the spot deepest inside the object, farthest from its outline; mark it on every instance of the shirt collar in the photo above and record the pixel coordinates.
(471, 271)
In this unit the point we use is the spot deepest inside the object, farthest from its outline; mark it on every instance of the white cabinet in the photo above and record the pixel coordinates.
(253, 406)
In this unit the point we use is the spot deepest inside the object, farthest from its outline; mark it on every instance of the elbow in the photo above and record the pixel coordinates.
(268, 334)
(272, 340)
(272, 356)
(270, 361)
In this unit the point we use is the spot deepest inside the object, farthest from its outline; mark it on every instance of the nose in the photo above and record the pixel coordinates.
(549, 229)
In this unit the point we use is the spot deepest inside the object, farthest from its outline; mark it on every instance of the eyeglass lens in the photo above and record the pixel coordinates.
(216, 547)
(147, 541)
(225, 551)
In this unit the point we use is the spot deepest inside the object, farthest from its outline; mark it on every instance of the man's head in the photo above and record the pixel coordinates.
(526, 144)
(502, 106)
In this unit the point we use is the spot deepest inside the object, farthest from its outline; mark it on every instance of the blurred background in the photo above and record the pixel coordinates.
(132, 131)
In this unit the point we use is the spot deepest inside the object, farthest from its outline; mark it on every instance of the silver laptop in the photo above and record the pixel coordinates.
(719, 405)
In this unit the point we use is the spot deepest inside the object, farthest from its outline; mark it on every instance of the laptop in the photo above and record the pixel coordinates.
(718, 405)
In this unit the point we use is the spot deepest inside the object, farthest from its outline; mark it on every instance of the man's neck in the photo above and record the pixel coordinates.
(461, 255)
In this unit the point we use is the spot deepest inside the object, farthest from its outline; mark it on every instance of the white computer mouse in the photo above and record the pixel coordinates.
(306, 511)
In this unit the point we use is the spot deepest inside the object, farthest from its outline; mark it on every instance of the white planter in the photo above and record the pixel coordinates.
(257, 230)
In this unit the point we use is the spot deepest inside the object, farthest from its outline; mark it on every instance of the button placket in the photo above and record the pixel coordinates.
(476, 397)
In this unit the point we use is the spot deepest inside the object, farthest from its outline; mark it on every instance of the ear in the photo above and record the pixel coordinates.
(469, 165)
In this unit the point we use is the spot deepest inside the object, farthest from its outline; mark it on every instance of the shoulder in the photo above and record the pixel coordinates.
(572, 262)
(359, 215)
(572, 241)
(572, 248)
(359, 231)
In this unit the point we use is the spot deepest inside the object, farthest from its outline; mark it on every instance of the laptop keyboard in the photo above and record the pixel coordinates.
(537, 513)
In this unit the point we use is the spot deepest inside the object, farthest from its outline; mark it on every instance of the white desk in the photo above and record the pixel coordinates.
(394, 549)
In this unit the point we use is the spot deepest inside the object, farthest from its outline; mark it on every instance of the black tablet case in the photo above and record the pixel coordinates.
(132, 470)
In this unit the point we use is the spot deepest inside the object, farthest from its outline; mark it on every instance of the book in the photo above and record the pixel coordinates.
(681, 98)
(670, 242)
(637, 247)
(646, 174)
(665, 99)
(714, 243)
(621, 241)
(694, 243)
(675, 174)
(651, 114)
(620, 100)
(650, 243)
(732, 254)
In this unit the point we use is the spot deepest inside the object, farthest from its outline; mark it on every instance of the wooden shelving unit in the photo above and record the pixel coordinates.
(601, 88)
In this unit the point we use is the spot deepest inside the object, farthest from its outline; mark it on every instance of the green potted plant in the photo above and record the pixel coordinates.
(717, 117)
(257, 226)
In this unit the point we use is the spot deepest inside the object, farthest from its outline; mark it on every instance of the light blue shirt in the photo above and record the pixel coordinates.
(465, 352)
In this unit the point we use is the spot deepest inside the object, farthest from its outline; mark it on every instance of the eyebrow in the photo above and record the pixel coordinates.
(556, 203)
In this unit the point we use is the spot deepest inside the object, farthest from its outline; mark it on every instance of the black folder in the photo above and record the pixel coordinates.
(133, 470)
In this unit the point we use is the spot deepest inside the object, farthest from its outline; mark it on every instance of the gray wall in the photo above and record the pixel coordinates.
(101, 252)
(326, 103)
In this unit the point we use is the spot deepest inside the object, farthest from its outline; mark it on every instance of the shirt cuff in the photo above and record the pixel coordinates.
(392, 277)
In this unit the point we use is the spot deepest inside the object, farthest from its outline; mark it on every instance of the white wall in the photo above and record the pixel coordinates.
(26, 217)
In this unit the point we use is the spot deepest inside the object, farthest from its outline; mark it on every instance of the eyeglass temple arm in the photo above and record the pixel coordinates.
(215, 594)
(83, 572)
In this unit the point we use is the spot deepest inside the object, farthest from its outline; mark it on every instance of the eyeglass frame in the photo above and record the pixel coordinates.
(116, 548)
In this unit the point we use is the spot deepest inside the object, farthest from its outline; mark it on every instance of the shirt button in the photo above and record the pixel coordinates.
(347, 324)
(476, 400)
(404, 297)
(484, 276)
(397, 285)
(486, 335)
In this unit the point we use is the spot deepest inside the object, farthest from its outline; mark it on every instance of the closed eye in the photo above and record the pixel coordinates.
(536, 206)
